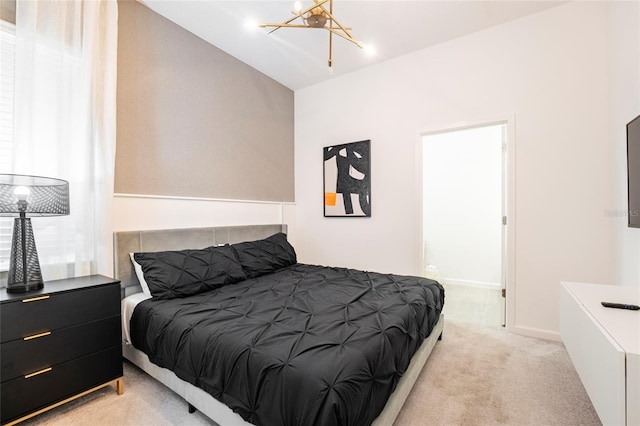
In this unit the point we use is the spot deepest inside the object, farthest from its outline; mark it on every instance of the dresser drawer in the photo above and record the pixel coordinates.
(21, 357)
(21, 396)
(24, 318)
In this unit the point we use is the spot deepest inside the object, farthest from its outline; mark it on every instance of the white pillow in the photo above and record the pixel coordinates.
(129, 303)
(140, 275)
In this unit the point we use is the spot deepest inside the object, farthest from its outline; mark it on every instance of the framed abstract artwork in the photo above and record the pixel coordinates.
(347, 180)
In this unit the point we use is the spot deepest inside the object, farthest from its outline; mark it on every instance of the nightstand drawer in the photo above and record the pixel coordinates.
(36, 315)
(20, 357)
(21, 396)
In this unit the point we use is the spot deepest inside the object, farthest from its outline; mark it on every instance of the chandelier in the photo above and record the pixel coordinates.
(317, 16)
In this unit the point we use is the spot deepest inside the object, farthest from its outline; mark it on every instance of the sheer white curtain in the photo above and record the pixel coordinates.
(65, 109)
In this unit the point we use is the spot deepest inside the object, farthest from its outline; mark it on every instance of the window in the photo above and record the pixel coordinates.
(58, 121)
(7, 73)
(47, 230)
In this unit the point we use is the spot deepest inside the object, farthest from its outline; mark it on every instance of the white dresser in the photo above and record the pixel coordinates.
(604, 345)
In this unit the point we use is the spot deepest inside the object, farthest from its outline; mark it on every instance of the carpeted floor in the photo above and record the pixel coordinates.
(475, 376)
(486, 376)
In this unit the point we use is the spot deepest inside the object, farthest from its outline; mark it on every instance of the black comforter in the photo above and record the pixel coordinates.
(306, 345)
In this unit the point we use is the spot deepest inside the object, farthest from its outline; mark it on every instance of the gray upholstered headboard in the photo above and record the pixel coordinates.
(177, 239)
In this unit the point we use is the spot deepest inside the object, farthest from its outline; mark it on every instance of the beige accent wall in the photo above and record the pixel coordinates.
(193, 121)
(8, 10)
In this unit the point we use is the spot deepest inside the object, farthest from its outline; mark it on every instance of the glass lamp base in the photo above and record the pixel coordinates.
(23, 288)
(24, 267)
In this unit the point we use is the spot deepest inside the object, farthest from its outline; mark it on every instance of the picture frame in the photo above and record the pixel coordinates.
(347, 179)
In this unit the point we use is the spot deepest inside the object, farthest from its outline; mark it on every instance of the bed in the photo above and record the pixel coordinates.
(279, 342)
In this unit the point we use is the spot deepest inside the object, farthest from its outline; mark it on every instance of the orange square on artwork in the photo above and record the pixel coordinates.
(330, 199)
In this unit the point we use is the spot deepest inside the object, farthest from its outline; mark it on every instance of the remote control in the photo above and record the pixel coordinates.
(620, 306)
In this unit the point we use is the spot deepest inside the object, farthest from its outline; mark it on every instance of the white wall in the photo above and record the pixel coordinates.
(624, 81)
(462, 204)
(550, 71)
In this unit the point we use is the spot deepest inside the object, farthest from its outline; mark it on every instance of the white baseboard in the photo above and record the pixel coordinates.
(535, 332)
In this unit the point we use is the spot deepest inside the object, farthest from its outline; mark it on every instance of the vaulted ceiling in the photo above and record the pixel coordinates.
(297, 58)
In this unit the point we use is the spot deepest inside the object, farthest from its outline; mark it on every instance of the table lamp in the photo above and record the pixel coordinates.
(22, 195)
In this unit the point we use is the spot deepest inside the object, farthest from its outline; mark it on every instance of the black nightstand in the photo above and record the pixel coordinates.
(58, 344)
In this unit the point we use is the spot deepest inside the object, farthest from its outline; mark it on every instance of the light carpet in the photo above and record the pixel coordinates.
(475, 376)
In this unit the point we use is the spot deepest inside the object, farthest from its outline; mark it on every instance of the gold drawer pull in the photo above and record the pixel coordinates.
(45, 370)
(35, 336)
(33, 299)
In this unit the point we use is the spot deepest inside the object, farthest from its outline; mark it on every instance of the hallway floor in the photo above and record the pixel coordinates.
(477, 305)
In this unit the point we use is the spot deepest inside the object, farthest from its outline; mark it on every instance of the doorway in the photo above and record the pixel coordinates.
(464, 217)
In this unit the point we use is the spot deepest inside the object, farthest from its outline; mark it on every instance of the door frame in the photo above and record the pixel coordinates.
(508, 201)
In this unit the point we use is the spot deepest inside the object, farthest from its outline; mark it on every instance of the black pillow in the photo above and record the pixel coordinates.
(172, 274)
(265, 256)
